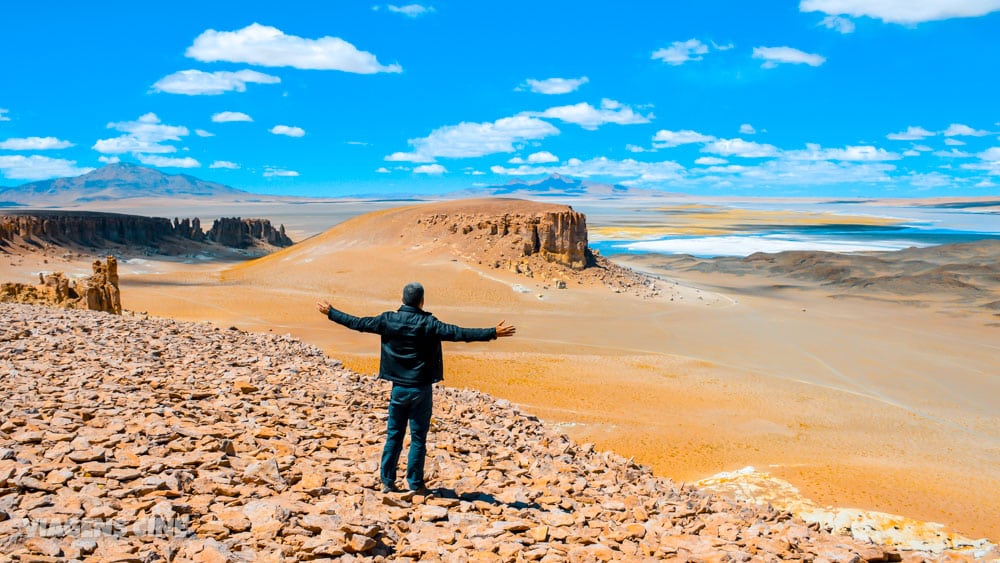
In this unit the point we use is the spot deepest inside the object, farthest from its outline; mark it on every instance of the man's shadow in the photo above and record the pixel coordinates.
(443, 492)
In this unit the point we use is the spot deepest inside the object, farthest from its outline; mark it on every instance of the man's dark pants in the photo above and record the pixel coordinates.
(413, 405)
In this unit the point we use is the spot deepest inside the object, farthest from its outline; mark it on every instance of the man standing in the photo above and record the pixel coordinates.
(411, 359)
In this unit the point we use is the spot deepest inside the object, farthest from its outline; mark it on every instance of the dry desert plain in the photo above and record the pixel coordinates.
(882, 404)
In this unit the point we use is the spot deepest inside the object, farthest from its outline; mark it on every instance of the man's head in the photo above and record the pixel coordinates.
(413, 295)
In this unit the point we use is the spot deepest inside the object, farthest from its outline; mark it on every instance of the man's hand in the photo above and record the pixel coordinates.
(323, 307)
(503, 331)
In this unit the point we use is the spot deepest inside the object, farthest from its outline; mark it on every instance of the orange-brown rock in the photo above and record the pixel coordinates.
(99, 292)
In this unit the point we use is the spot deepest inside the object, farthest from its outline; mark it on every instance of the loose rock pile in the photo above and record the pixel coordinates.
(130, 439)
(99, 292)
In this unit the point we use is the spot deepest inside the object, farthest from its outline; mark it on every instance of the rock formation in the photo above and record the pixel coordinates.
(101, 230)
(236, 232)
(99, 292)
(165, 440)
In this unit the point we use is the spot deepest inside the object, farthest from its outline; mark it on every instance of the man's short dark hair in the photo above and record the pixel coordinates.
(413, 294)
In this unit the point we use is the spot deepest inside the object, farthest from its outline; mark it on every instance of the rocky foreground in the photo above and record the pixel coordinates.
(131, 439)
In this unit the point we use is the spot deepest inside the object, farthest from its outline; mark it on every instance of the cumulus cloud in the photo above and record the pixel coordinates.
(3, 114)
(912, 133)
(227, 116)
(541, 157)
(554, 85)
(953, 153)
(747, 129)
(34, 167)
(773, 56)
(589, 117)
(958, 129)
(602, 167)
(953, 142)
(109, 159)
(271, 172)
(34, 144)
(911, 152)
(710, 161)
(197, 82)
(740, 148)
(144, 135)
(431, 169)
(989, 161)
(269, 46)
(383, 170)
(476, 139)
(666, 139)
(203, 133)
(680, 52)
(864, 153)
(168, 162)
(410, 10)
(903, 11)
(224, 164)
(838, 23)
(287, 130)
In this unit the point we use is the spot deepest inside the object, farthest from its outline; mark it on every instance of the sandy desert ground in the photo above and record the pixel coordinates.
(866, 403)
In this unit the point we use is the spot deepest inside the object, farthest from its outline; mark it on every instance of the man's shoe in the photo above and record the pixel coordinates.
(422, 491)
(389, 488)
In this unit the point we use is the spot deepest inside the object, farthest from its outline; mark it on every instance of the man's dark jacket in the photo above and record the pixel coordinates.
(411, 342)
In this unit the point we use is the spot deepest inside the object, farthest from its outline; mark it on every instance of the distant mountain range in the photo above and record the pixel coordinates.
(114, 182)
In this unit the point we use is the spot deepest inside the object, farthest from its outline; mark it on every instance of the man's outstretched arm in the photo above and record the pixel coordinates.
(361, 324)
(454, 333)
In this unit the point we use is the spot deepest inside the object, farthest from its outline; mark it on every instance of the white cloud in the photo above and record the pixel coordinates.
(145, 135)
(922, 148)
(741, 148)
(476, 139)
(411, 10)
(911, 152)
(773, 56)
(666, 139)
(224, 164)
(989, 160)
(168, 162)
(602, 167)
(589, 117)
(842, 25)
(849, 153)
(747, 129)
(383, 170)
(953, 142)
(227, 116)
(34, 167)
(109, 159)
(203, 133)
(554, 85)
(271, 172)
(432, 169)
(34, 144)
(680, 52)
(358, 143)
(290, 131)
(903, 11)
(986, 183)
(953, 153)
(269, 46)
(956, 129)
(637, 148)
(912, 133)
(3, 114)
(710, 161)
(197, 82)
(542, 157)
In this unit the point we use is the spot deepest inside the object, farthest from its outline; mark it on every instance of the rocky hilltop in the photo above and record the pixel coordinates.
(133, 439)
(99, 292)
(32, 228)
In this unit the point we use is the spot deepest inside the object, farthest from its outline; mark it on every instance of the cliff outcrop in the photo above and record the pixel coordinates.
(101, 230)
(173, 440)
(237, 232)
(99, 292)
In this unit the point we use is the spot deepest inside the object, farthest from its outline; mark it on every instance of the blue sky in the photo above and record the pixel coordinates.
(853, 98)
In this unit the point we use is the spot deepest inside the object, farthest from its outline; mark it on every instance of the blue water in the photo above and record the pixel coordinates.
(924, 226)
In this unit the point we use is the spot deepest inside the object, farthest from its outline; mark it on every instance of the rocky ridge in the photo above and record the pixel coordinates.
(33, 228)
(546, 242)
(134, 439)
